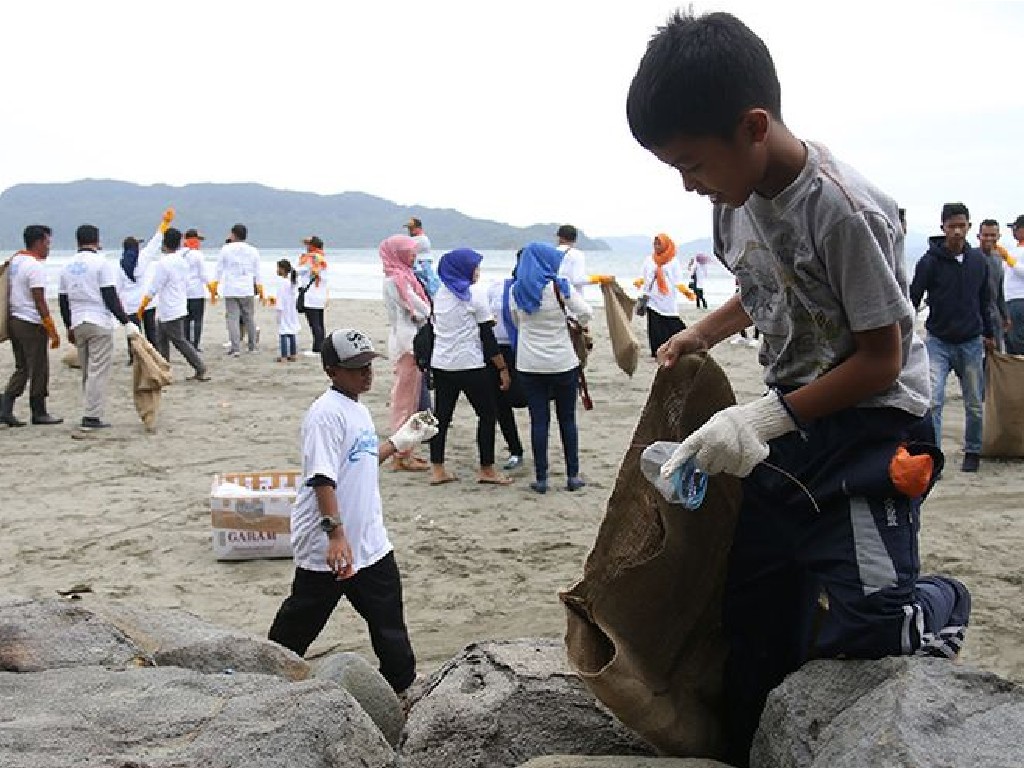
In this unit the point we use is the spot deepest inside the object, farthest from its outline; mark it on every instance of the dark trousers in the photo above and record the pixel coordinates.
(505, 401)
(843, 537)
(173, 332)
(702, 303)
(288, 344)
(375, 593)
(661, 328)
(563, 388)
(1015, 338)
(315, 318)
(194, 320)
(30, 345)
(478, 387)
(150, 328)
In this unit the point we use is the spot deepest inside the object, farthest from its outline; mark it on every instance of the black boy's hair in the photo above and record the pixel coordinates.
(949, 210)
(287, 266)
(172, 239)
(87, 234)
(988, 223)
(697, 78)
(239, 231)
(34, 233)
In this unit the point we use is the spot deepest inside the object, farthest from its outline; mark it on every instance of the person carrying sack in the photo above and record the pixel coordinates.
(545, 358)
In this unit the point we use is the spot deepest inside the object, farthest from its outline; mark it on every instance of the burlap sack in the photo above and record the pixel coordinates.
(618, 310)
(150, 374)
(644, 623)
(1003, 424)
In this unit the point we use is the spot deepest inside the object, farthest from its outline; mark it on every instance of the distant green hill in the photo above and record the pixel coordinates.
(275, 218)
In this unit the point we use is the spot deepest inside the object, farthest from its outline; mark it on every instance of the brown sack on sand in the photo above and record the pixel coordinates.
(618, 310)
(1003, 424)
(150, 374)
(644, 624)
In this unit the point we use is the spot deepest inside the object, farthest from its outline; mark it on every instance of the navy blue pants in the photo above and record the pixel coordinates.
(541, 389)
(825, 563)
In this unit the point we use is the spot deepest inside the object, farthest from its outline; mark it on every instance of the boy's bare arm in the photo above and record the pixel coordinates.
(720, 324)
(872, 368)
(385, 450)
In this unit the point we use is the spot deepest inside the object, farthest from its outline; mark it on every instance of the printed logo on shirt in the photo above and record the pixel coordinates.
(365, 445)
(77, 268)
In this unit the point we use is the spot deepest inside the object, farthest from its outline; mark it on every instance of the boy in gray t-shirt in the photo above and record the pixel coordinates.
(824, 561)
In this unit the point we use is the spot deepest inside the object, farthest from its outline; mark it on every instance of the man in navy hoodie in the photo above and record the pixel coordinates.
(955, 277)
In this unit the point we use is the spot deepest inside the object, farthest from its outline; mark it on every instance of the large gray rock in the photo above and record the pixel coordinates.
(92, 717)
(501, 703)
(582, 761)
(354, 673)
(50, 634)
(178, 638)
(905, 712)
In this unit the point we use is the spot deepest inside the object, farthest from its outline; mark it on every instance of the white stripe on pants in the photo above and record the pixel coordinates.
(96, 355)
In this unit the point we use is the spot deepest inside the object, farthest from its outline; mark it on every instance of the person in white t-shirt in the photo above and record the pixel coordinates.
(287, 314)
(31, 329)
(340, 545)
(463, 344)
(698, 267)
(136, 265)
(169, 283)
(313, 285)
(198, 284)
(574, 263)
(660, 285)
(545, 359)
(238, 279)
(89, 304)
(1013, 288)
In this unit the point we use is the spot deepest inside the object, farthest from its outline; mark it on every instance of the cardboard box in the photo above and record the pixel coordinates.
(257, 523)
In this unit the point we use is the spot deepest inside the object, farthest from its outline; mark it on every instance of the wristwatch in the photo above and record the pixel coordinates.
(328, 524)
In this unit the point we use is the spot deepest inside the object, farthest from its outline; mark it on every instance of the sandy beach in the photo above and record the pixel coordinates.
(127, 513)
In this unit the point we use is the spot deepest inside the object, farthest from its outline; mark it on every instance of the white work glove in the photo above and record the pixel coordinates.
(417, 428)
(131, 329)
(734, 440)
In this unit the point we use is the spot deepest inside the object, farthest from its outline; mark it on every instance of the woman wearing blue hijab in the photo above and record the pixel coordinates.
(463, 345)
(545, 359)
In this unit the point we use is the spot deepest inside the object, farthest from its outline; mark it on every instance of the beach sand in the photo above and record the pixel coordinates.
(128, 514)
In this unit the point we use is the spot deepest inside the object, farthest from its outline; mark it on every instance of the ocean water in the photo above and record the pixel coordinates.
(357, 273)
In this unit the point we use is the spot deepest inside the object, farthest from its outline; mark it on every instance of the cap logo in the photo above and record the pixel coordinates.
(359, 341)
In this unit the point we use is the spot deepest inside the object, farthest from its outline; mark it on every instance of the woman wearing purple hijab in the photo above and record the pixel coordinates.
(463, 344)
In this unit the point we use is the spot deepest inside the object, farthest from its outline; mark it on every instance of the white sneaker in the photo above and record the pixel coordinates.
(737, 340)
(310, 353)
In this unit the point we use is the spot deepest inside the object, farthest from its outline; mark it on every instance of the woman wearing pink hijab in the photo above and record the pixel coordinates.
(408, 308)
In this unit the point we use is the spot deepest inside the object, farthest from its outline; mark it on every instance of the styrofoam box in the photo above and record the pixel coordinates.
(257, 524)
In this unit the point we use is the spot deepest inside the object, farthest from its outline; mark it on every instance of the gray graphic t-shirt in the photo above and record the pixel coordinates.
(817, 263)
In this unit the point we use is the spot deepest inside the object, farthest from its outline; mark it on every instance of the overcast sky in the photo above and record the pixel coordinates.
(511, 111)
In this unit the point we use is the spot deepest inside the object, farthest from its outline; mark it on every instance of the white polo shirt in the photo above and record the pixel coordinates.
(197, 280)
(457, 344)
(81, 281)
(25, 273)
(170, 284)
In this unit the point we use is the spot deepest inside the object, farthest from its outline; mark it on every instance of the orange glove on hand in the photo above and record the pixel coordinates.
(685, 290)
(259, 292)
(212, 288)
(600, 279)
(51, 331)
(165, 222)
(638, 283)
(142, 307)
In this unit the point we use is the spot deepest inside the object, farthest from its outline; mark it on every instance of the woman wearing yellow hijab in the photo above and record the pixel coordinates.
(661, 279)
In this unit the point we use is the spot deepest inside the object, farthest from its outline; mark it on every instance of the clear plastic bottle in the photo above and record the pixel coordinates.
(685, 487)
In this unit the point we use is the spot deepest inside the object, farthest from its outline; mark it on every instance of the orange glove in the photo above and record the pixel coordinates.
(142, 306)
(271, 301)
(259, 292)
(600, 279)
(685, 290)
(638, 283)
(51, 331)
(212, 288)
(165, 222)
(1010, 261)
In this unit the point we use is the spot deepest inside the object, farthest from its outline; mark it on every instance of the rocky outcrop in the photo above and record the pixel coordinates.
(501, 703)
(353, 673)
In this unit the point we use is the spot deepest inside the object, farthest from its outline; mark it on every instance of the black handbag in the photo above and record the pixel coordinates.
(300, 300)
(423, 341)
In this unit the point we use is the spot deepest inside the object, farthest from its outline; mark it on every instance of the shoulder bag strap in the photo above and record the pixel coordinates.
(584, 390)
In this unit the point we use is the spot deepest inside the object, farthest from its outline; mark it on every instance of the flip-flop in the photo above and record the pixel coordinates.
(445, 479)
(500, 480)
(404, 466)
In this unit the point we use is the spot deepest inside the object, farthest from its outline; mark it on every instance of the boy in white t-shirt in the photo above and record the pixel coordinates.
(340, 545)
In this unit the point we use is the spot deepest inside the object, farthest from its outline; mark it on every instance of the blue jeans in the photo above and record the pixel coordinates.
(288, 345)
(966, 360)
(563, 388)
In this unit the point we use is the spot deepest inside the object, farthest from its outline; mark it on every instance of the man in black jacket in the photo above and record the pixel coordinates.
(955, 277)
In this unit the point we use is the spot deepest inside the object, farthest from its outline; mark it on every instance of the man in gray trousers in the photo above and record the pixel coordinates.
(238, 276)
